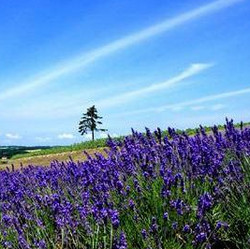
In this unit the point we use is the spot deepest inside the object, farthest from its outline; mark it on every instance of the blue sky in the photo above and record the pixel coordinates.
(149, 63)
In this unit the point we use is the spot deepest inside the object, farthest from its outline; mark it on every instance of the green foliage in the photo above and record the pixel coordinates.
(237, 211)
(89, 122)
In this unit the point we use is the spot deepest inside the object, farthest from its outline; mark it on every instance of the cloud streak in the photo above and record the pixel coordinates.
(85, 59)
(180, 105)
(129, 96)
(197, 108)
(64, 110)
(217, 107)
(12, 136)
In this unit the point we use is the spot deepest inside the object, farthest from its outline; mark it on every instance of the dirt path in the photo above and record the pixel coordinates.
(45, 160)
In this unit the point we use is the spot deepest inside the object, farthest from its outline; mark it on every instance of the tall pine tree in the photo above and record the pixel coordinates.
(89, 122)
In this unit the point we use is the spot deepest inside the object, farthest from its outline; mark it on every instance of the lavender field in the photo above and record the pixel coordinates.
(149, 191)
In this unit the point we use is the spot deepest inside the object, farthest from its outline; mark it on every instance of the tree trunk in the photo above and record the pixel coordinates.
(93, 135)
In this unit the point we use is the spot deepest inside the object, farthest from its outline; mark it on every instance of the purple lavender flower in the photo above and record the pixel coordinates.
(122, 241)
(144, 233)
(205, 203)
(115, 218)
(186, 228)
(174, 225)
(165, 216)
(41, 244)
(222, 224)
(201, 237)
(131, 204)
(154, 226)
(75, 197)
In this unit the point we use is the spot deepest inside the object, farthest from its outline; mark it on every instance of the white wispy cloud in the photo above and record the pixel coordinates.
(205, 99)
(13, 136)
(65, 110)
(87, 58)
(156, 87)
(176, 108)
(217, 107)
(65, 136)
(197, 108)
